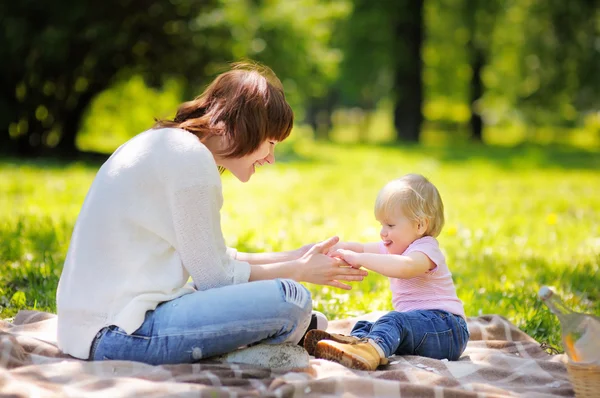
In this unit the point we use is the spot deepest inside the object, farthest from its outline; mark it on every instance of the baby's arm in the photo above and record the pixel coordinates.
(372, 247)
(390, 265)
(355, 247)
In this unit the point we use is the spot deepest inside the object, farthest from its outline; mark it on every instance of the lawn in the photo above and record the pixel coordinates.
(516, 219)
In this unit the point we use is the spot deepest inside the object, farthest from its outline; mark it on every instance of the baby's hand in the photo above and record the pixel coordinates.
(332, 252)
(348, 256)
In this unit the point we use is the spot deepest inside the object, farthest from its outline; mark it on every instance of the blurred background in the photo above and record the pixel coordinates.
(87, 76)
(496, 101)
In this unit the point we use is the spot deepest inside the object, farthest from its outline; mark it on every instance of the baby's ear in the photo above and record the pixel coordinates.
(423, 226)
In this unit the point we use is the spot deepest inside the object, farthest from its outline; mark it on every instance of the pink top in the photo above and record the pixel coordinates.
(432, 291)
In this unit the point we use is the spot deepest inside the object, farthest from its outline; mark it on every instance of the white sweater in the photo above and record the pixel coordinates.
(149, 221)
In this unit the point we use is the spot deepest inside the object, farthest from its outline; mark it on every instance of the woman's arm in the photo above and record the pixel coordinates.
(314, 267)
(390, 265)
(275, 257)
(203, 252)
(199, 240)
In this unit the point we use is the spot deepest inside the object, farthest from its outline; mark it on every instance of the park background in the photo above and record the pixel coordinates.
(497, 102)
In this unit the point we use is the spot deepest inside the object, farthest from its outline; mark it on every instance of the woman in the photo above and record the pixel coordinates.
(151, 220)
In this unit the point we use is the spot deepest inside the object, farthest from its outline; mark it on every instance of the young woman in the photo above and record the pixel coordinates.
(151, 220)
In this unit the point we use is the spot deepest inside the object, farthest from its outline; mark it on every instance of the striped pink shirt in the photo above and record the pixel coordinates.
(431, 291)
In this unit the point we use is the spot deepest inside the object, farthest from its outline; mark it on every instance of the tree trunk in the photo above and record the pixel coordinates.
(477, 60)
(8, 110)
(311, 116)
(6, 143)
(326, 116)
(318, 115)
(476, 91)
(368, 108)
(408, 85)
(323, 124)
(71, 124)
(29, 144)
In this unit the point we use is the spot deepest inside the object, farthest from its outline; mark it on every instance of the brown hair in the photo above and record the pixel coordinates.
(246, 104)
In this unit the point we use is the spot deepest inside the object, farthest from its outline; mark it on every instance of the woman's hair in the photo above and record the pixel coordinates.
(414, 197)
(246, 105)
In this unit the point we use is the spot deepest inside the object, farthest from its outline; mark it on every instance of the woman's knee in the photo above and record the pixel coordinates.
(297, 306)
(296, 294)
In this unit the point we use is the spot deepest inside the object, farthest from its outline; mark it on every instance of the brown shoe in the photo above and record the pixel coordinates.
(362, 356)
(314, 336)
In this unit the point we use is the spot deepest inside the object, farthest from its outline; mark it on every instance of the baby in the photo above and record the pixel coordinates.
(428, 318)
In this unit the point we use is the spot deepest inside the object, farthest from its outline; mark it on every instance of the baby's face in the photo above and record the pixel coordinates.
(398, 232)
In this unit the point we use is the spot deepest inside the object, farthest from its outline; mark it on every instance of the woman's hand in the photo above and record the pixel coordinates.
(298, 253)
(317, 267)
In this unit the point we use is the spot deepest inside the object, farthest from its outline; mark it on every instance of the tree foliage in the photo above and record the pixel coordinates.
(60, 56)
(452, 63)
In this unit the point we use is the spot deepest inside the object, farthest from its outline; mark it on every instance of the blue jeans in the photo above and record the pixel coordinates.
(428, 333)
(212, 322)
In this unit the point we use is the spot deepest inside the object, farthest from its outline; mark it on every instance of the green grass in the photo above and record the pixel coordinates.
(516, 219)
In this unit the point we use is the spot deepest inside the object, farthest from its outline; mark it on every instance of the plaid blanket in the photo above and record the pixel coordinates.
(500, 361)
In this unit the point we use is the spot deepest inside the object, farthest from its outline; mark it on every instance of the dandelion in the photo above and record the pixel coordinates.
(551, 219)
(451, 230)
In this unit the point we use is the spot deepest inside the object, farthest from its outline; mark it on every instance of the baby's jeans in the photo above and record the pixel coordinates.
(428, 333)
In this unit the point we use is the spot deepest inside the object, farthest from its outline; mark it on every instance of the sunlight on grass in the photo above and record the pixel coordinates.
(516, 219)
(447, 123)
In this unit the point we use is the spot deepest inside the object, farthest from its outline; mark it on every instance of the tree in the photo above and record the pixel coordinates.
(382, 43)
(59, 56)
(513, 63)
(408, 67)
(560, 61)
(480, 19)
(365, 38)
(301, 43)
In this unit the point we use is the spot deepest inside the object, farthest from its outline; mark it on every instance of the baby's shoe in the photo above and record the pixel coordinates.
(314, 336)
(362, 356)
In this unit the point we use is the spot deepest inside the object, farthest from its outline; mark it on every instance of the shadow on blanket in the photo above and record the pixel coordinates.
(500, 361)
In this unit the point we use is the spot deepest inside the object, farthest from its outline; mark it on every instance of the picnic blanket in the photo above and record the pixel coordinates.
(500, 361)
